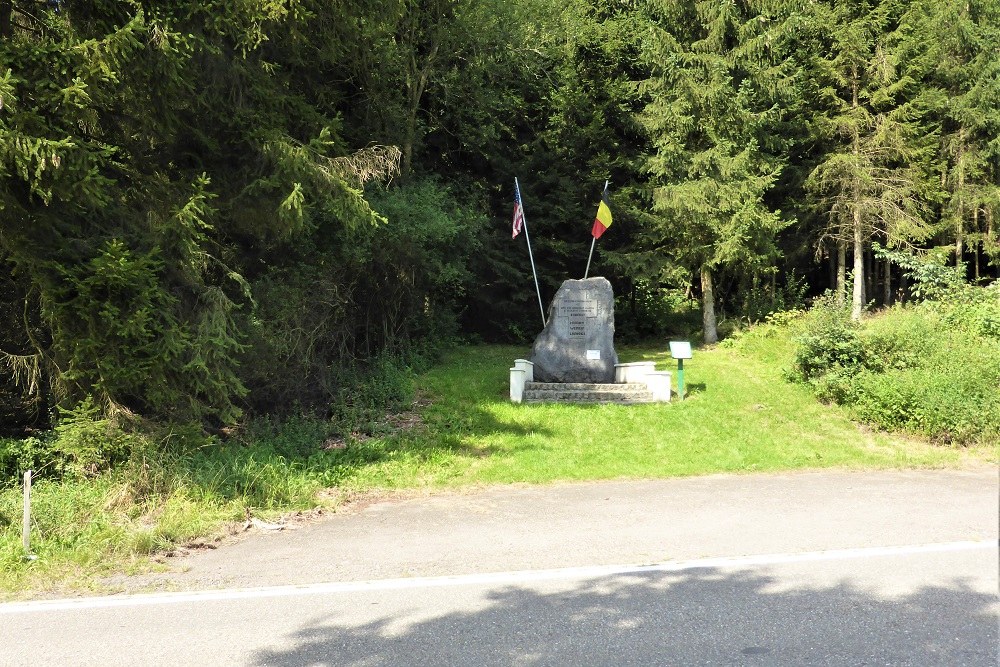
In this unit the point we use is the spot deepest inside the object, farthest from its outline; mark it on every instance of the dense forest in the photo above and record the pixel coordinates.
(213, 208)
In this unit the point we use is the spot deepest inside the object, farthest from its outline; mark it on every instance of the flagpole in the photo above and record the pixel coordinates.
(594, 241)
(531, 256)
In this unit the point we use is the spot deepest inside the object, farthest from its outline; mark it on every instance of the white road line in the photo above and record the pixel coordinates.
(492, 578)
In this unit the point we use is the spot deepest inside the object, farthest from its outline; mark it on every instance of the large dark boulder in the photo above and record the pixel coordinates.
(578, 343)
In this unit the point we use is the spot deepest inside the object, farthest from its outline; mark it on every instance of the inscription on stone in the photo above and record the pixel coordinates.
(577, 344)
(578, 316)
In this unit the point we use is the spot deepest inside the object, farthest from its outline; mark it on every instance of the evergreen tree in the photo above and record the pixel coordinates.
(959, 40)
(874, 179)
(148, 155)
(712, 119)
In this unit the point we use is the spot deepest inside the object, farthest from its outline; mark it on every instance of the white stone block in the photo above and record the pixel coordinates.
(635, 371)
(516, 384)
(658, 384)
(527, 367)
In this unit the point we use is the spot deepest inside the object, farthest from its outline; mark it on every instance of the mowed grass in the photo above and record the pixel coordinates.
(739, 416)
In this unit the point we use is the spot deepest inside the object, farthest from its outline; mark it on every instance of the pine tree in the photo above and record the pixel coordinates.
(959, 40)
(874, 178)
(712, 119)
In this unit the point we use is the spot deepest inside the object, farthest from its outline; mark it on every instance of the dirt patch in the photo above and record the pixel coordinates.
(390, 424)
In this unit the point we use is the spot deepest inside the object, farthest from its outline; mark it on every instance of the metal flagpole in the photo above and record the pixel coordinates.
(594, 241)
(527, 238)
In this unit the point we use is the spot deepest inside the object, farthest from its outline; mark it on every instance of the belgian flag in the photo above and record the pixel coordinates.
(603, 219)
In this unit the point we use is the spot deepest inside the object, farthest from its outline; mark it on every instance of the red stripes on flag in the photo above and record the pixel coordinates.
(518, 213)
(603, 219)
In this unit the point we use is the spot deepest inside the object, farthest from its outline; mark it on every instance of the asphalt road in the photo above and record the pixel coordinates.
(803, 569)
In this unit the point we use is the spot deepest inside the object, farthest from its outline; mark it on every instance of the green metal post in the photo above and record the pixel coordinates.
(680, 379)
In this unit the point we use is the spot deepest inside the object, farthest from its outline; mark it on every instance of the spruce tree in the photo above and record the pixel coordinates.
(712, 119)
(152, 158)
(874, 179)
(959, 41)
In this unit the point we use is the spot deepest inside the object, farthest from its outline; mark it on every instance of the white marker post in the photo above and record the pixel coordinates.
(26, 527)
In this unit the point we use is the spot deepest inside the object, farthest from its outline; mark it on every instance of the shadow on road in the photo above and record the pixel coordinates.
(700, 617)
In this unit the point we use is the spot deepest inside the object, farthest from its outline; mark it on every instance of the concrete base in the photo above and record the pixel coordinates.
(633, 372)
(658, 383)
(636, 382)
(527, 367)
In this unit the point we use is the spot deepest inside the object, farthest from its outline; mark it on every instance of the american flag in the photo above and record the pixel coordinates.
(518, 212)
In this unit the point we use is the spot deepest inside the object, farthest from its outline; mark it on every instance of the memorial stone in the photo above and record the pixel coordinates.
(577, 343)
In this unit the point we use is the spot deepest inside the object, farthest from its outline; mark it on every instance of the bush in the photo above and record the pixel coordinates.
(932, 369)
(82, 444)
(760, 301)
(385, 385)
(646, 312)
(831, 343)
(973, 310)
(900, 339)
(20, 455)
(340, 302)
(949, 404)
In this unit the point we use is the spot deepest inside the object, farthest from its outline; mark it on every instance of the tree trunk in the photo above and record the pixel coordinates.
(858, 298)
(418, 76)
(841, 271)
(960, 222)
(887, 283)
(709, 329)
(6, 10)
(870, 276)
(976, 246)
(832, 263)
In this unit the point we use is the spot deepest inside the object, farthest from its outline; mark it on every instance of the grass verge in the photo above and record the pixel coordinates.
(740, 417)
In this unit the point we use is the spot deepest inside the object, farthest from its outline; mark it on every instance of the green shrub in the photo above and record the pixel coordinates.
(762, 300)
(123, 334)
(831, 342)
(647, 311)
(89, 443)
(931, 369)
(31, 453)
(899, 339)
(82, 444)
(342, 299)
(946, 400)
(974, 310)
(386, 384)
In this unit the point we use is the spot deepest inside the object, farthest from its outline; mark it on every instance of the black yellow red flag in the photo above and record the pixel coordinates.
(603, 219)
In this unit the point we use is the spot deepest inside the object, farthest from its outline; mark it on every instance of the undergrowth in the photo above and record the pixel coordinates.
(931, 368)
(105, 491)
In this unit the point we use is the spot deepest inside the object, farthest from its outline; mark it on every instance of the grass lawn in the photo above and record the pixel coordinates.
(740, 417)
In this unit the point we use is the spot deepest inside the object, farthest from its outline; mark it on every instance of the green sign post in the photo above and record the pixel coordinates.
(680, 350)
